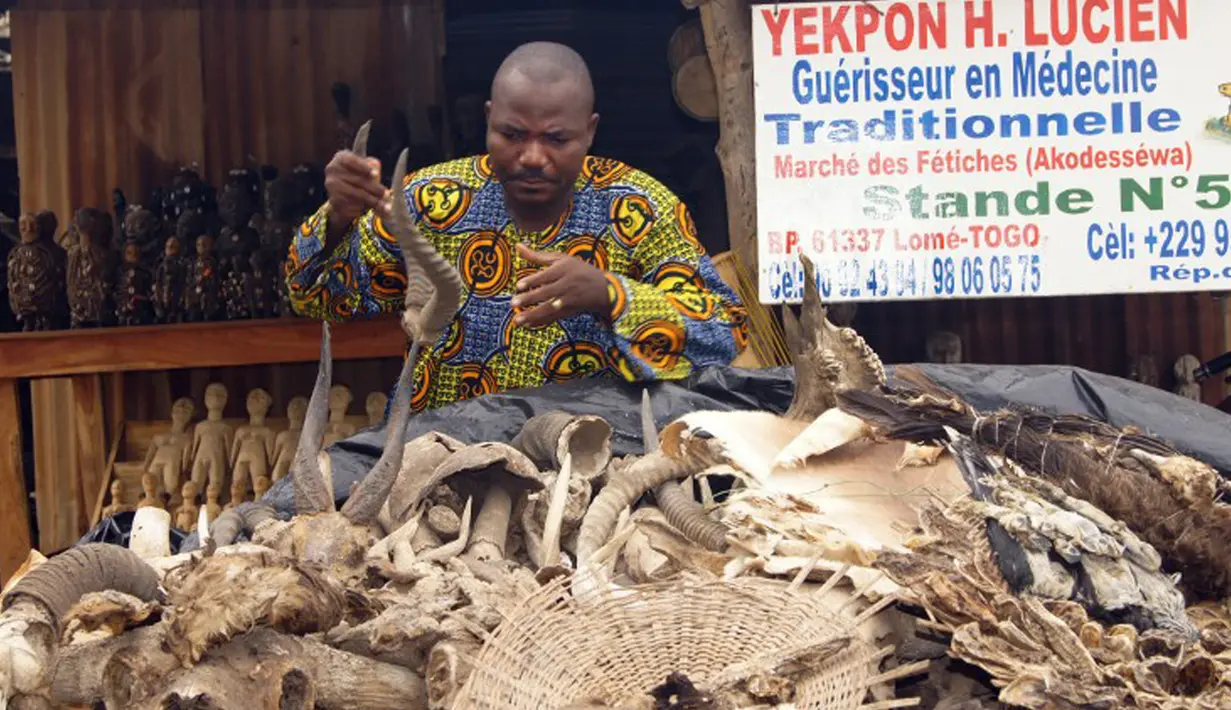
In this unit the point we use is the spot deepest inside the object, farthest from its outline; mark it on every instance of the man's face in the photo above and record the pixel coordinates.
(538, 134)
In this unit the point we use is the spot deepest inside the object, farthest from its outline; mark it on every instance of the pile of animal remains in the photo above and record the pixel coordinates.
(963, 559)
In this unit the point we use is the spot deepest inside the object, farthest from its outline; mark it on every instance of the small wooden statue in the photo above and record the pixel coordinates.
(211, 440)
(260, 486)
(253, 449)
(186, 514)
(375, 407)
(212, 508)
(203, 297)
(239, 492)
(260, 286)
(143, 227)
(150, 493)
(34, 278)
(91, 269)
(944, 347)
(235, 288)
(1185, 382)
(1144, 369)
(286, 441)
(118, 504)
(170, 455)
(340, 399)
(134, 286)
(170, 283)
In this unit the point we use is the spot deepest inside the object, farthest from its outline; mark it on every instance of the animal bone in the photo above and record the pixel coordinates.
(34, 608)
(548, 438)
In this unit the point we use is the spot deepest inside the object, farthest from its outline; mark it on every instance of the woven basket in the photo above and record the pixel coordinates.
(617, 646)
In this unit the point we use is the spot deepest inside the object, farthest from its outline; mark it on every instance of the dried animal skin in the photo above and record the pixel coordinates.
(220, 597)
(260, 669)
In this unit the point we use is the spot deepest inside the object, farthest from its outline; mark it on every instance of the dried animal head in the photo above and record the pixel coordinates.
(827, 358)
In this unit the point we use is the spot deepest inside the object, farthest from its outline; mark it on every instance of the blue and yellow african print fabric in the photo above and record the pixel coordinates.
(670, 312)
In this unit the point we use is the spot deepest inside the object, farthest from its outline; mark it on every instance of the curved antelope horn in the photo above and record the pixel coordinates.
(313, 494)
(437, 300)
(361, 139)
(369, 496)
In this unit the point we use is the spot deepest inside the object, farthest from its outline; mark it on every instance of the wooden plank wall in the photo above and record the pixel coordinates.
(1099, 333)
(122, 93)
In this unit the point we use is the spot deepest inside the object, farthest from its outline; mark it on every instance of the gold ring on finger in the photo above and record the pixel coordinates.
(557, 303)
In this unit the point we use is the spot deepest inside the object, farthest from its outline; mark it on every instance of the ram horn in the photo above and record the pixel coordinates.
(369, 496)
(313, 483)
(426, 320)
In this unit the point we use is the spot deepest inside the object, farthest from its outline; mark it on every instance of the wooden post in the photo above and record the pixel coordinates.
(14, 503)
(727, 25)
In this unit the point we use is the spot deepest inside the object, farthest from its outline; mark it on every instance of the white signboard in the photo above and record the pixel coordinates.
(993, 148)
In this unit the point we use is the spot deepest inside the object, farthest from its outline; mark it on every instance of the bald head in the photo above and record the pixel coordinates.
(542, 64)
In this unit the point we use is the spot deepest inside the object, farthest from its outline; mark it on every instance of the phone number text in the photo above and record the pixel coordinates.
(919, 277)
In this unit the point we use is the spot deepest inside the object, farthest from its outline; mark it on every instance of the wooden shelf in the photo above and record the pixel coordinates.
(192, 345)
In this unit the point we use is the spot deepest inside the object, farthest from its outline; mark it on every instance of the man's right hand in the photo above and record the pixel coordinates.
(354, 187)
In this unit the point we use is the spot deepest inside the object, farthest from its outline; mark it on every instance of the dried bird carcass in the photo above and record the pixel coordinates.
(1047, 653)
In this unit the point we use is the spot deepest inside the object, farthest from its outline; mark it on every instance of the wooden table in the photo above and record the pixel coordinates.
(83, 356)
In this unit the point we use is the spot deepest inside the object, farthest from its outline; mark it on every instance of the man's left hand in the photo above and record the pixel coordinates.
(565, 286)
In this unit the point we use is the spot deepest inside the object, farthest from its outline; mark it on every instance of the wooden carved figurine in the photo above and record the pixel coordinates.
(33, 278)
(1185, 383)
(186, 514)
(286, 441)
(118, 504)
(170, 282)
(1144, 369)
(46, 223)
(211, 440)
(375, 407)
(253, 448)
(90, 269)
(212, 508)
(170, 454)
(133, 289)
(944, 347)
(239, 493)
(340, 399)
(235, 288)
(150, 493)
(143, 227)
(260, 486)
(202, 299)
(260, 286)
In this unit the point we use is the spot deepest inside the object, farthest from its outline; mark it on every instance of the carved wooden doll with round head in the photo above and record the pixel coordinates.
(118, 504)
(375, 407)
(33, 277)
(212, 439)
(252, 452)
(286, 441)
(340, 399)
(186, 514)
(170, 453)
(90, 269)
(204, 295)
(133, 289)
(170, 282)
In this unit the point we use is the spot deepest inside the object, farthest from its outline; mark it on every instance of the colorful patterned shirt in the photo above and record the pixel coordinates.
(669, 312)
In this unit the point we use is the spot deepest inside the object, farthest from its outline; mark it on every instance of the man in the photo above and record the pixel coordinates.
(573, 265)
